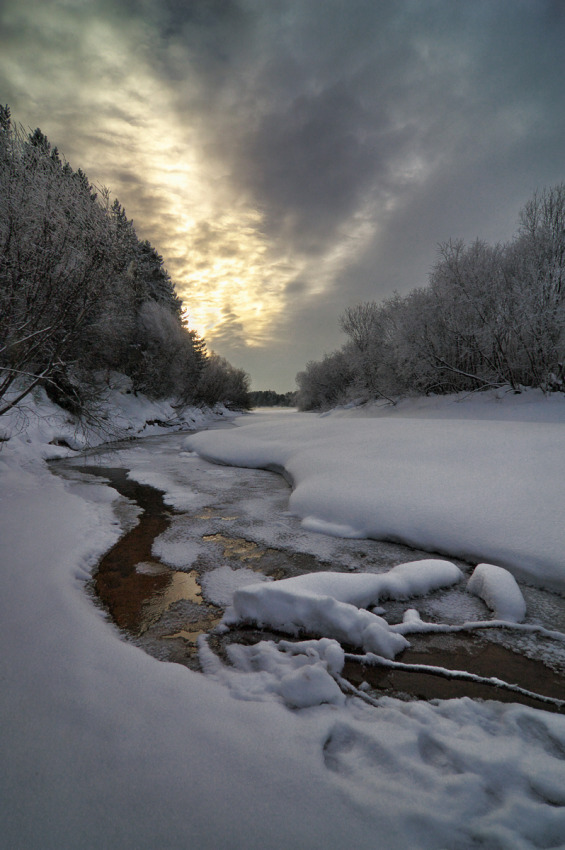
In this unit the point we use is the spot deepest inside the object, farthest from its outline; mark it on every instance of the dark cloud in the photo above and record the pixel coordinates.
(312, 165)
(233, 334)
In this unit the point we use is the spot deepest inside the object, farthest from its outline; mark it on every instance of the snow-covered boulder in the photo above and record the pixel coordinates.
(500, 592)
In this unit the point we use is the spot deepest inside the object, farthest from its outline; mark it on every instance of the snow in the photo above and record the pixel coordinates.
(221, 584)
(37, 428)
(485, 486)
(300, 675)
(329, 604)
(175, 553)
(498, 588)
(104, 746)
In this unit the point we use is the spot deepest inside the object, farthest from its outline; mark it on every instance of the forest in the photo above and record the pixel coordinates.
(81, 296)
(490, 316)
(270, 398)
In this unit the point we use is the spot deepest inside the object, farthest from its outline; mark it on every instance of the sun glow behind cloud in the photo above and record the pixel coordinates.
(227, 277)
(213, 244)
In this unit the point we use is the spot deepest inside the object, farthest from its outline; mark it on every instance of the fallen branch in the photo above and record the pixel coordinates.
(420, 627)
(445, 673)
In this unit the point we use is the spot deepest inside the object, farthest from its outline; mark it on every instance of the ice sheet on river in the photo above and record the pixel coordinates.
(482, 490)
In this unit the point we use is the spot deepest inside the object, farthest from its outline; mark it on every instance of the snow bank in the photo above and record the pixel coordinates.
(454, 774)
(329, 604)
(38, 428)
(499, 590)
(100, 741)
(483, 489)
(292, 612)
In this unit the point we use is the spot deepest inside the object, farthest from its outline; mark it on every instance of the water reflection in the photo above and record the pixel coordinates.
(180, 586)
(198, 628)
(134, 586)
(163, 609)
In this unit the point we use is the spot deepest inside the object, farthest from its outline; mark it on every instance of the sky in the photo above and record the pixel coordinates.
(291, 158)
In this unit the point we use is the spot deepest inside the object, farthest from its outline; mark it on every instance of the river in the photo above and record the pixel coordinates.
(183, 518)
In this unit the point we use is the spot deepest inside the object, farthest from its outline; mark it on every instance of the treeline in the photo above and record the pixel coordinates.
(270, 398)
(490, 316)
(81, 295)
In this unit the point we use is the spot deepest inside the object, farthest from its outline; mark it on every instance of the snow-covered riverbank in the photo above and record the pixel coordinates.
(104, 746)
(470, 479)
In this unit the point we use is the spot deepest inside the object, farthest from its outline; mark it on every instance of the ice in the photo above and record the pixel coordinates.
(334, 529)
(499, 590)
(176, 553)
(181, 498)
(219, 585)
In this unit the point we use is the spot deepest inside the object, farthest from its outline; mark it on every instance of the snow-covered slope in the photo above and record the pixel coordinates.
(38, 428)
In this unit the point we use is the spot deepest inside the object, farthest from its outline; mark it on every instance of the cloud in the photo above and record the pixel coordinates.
(289, 159)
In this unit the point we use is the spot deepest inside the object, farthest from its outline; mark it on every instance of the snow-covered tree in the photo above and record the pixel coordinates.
(55, 262)
(81, 295)
(222, 382)
(325, 383)
(489, 316)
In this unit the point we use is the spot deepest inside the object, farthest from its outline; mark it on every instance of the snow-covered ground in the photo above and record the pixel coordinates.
(103, 746)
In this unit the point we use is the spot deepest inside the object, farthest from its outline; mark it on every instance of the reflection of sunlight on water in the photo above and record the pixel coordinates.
(182, 586)
(139, 592)
(236, 547)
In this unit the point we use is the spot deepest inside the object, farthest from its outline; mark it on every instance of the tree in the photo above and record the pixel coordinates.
(325, 383)
(372, 329)
(150, 270)
(222, 382)
(537, 271)
(270, 398)
(55, 262)
(170, 358)
(490, 316)
(80, 294)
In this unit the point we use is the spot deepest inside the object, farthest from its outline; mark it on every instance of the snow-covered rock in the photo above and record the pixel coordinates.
(499, 590)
